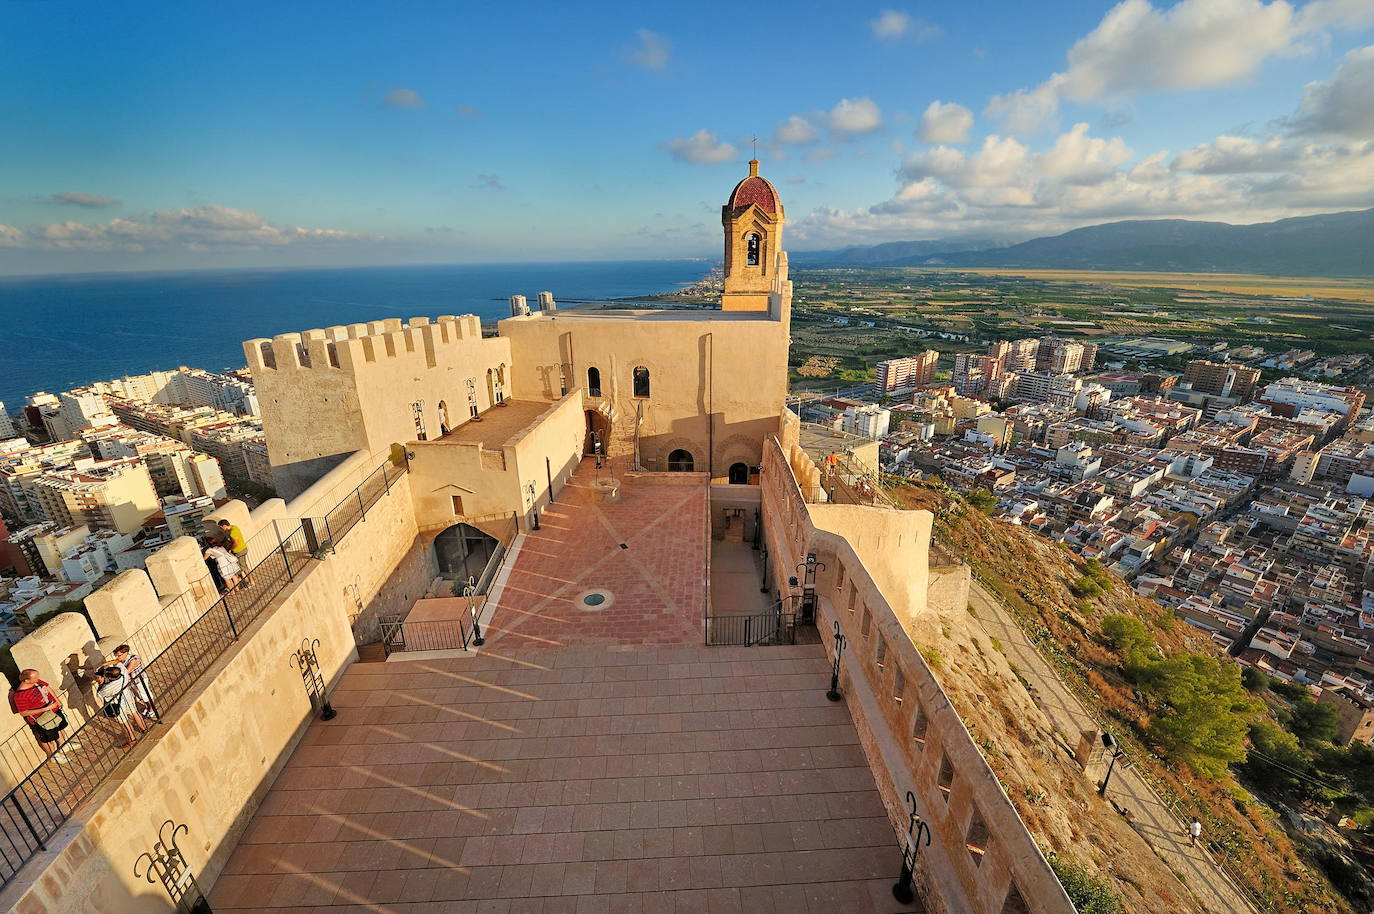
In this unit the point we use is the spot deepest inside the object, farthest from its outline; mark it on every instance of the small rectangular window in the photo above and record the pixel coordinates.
(898, 684)
(852, 597)
(457, 504)
(882, 652)
(839, 578)
(867, 623)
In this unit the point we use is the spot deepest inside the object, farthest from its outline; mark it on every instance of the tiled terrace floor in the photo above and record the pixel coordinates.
(657, 583)
(590, 779)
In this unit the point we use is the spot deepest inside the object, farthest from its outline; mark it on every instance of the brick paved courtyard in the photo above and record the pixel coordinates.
(588, 779)
(656, 584)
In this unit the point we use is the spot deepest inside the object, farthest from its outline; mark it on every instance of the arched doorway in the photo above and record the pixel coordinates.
(739, 474)
(462, 551)
(680, 461)
(598, 432)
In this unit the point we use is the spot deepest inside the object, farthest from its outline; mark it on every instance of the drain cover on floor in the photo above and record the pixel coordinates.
(594, 600)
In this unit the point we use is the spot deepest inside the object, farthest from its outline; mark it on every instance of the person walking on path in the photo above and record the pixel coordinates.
(238, 545)
(1194, 832)
(36, 702)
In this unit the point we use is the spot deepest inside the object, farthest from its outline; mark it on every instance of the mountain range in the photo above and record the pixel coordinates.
(1330, 244)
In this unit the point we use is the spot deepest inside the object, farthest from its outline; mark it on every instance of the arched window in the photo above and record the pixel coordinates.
(641, 379)
(753, 243)
(739, 474)
(473, 410)
(680, 461)
(594, 382)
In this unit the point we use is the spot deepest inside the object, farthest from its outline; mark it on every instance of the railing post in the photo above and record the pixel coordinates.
(228, 614)
(386, 480)
(287, 562)
(361, 507)
(27, 824)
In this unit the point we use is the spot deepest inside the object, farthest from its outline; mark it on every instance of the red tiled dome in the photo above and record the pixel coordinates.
(754, 191)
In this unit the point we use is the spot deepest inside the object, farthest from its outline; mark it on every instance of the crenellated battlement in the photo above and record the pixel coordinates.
(352, 347)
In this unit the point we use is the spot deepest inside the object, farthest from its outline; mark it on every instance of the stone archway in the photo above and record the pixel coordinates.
(597, 437)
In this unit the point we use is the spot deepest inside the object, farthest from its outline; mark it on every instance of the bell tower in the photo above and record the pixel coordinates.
(755, 265)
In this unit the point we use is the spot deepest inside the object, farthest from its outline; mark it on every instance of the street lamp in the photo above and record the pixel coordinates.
(834, 693)
(1117, 752)
(916, 829)
(534, 503)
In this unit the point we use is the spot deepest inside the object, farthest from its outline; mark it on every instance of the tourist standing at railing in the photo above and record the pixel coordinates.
(228, 566)
(36, 702)
(235, 543)
(116, 696)
(143, 693)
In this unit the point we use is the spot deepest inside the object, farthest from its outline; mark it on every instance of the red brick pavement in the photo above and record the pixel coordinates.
(591, 779)
(657, 584)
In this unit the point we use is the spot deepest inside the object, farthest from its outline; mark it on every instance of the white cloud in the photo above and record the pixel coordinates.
(890, 24)
(489, 182)
(1235, 155)
(651, 50)
(1005, 190)
(702, 147)
(404, 98)
(854, 115)
(1194, 44)
(204, 227)
(1345, 105)
(818, 155)
(796, 130)
(1027, 111)
(945, 122)
(1078, 158)
(87, 201)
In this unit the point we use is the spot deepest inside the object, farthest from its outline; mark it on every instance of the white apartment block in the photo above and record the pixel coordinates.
(6, 424)
(912, 371)
(866, 421)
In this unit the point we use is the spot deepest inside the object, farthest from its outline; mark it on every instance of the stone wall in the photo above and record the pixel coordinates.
(981, 859)
(214, 754)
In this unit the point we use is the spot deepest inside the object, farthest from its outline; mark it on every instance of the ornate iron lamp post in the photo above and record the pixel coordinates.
(916, 829)
(308, 663)
(167, 864)
(834, 693)
(534, 503)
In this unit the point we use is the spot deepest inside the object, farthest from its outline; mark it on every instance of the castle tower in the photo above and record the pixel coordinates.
(754, 261)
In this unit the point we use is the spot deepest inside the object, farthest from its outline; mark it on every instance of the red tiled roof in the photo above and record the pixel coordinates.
(755, 191)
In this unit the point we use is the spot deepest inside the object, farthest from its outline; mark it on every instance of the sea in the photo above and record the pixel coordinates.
(59, 332)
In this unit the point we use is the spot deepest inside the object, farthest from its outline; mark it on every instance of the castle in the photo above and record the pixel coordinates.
(549, 722)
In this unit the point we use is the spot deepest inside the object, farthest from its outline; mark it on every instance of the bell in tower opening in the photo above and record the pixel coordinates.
(754, 262)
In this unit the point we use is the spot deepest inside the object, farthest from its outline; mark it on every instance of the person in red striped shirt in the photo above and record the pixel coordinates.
(36, 702)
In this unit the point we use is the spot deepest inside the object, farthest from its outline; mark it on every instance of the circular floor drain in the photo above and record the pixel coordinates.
(594, 600)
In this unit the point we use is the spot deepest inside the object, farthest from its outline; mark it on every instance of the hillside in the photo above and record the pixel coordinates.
(1330, 244)
(892, 252)
(1059, 804)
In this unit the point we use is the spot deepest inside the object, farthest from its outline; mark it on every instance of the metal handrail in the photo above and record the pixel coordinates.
(33, 812)
(399, 635)
(752, 629)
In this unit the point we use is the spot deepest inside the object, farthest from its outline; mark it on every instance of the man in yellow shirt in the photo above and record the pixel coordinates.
(236, 544)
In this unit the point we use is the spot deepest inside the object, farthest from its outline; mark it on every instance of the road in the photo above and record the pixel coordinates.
(1150, 815)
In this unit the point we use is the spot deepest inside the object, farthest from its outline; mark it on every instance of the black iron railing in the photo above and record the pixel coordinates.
(432, 635)
(755, 629)
(37, 807)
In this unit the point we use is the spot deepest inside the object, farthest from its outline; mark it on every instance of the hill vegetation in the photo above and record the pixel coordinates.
(1240, 752)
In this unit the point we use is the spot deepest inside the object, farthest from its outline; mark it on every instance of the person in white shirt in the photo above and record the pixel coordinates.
(117, 700)
(1195, 831)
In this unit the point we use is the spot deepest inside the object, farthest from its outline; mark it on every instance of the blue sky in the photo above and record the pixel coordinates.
(150, 135)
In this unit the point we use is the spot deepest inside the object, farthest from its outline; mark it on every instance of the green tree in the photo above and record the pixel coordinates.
(1313, 722)
(1277, 764)
(1089, 892)
(1126, 634)
(982, 499)
(1203, 719)
(66, 606)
